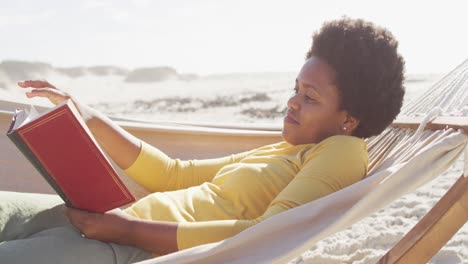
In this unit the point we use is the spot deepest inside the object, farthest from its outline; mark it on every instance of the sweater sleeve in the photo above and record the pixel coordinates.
(333, 164)
(157, 172)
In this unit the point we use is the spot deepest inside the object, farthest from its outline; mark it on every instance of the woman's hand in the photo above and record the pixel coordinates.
(113, 226)
(44, 89)
(117, 227)
(55, 95)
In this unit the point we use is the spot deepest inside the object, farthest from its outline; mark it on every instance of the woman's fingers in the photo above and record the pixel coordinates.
(41, 92)
(78, 215)
(94, 225)
(35, 84)
(54, 95)
(84, 221)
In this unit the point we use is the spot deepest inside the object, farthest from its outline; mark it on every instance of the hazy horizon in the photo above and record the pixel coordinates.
(36, 68)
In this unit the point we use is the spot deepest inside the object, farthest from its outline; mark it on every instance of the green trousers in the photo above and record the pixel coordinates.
(34, 229)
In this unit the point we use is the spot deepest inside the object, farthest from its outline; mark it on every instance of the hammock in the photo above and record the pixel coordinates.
(402, 158)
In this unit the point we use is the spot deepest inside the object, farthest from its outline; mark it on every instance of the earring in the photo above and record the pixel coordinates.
(345, 128)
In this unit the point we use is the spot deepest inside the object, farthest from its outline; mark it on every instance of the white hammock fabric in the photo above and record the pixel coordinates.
(401, 161)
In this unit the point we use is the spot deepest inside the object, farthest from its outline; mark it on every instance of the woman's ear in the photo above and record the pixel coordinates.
(349, 124)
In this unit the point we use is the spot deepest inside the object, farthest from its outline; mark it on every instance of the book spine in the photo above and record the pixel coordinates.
(16, 139)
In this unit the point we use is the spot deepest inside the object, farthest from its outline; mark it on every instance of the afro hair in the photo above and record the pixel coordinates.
(369, 71)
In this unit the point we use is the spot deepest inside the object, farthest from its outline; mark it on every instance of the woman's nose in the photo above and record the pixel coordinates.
(293, 103)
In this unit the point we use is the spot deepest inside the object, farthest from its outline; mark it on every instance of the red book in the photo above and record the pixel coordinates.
(61, 147)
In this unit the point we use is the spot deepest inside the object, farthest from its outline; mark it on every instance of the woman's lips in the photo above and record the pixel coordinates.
(290, 119)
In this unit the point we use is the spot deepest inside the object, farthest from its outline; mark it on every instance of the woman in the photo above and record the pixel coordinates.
(350, 87)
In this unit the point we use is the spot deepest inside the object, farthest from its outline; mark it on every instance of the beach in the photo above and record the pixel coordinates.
(245, 99)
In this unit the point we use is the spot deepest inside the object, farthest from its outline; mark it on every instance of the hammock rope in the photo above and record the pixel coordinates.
(450, 94)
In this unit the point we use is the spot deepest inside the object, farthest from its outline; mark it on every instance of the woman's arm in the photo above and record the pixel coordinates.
(157, 172)
(121, 146)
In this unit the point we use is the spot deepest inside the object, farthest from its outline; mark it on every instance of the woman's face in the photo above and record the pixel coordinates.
(313, 110)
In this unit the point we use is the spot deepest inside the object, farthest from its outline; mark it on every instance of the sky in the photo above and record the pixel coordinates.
(220, 36)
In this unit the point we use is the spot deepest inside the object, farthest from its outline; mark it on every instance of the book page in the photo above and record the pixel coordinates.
(22, 117)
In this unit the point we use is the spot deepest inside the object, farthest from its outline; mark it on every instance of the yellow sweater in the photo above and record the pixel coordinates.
(214, 199)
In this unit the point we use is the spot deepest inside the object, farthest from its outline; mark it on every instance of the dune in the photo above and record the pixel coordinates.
(154, 74)
(21, 70)
(14, 70)
(72, 72)
(107, 70)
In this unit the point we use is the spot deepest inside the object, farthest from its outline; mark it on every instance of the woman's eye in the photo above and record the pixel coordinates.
(296, 90)
(309, 99)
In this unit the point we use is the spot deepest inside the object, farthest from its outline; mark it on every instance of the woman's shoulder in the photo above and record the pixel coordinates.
(274, 146)
(343, 140)
(331, 144)
(348, 151)
(348, 145)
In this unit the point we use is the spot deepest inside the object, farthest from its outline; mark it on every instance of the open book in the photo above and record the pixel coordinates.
(61, 147)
